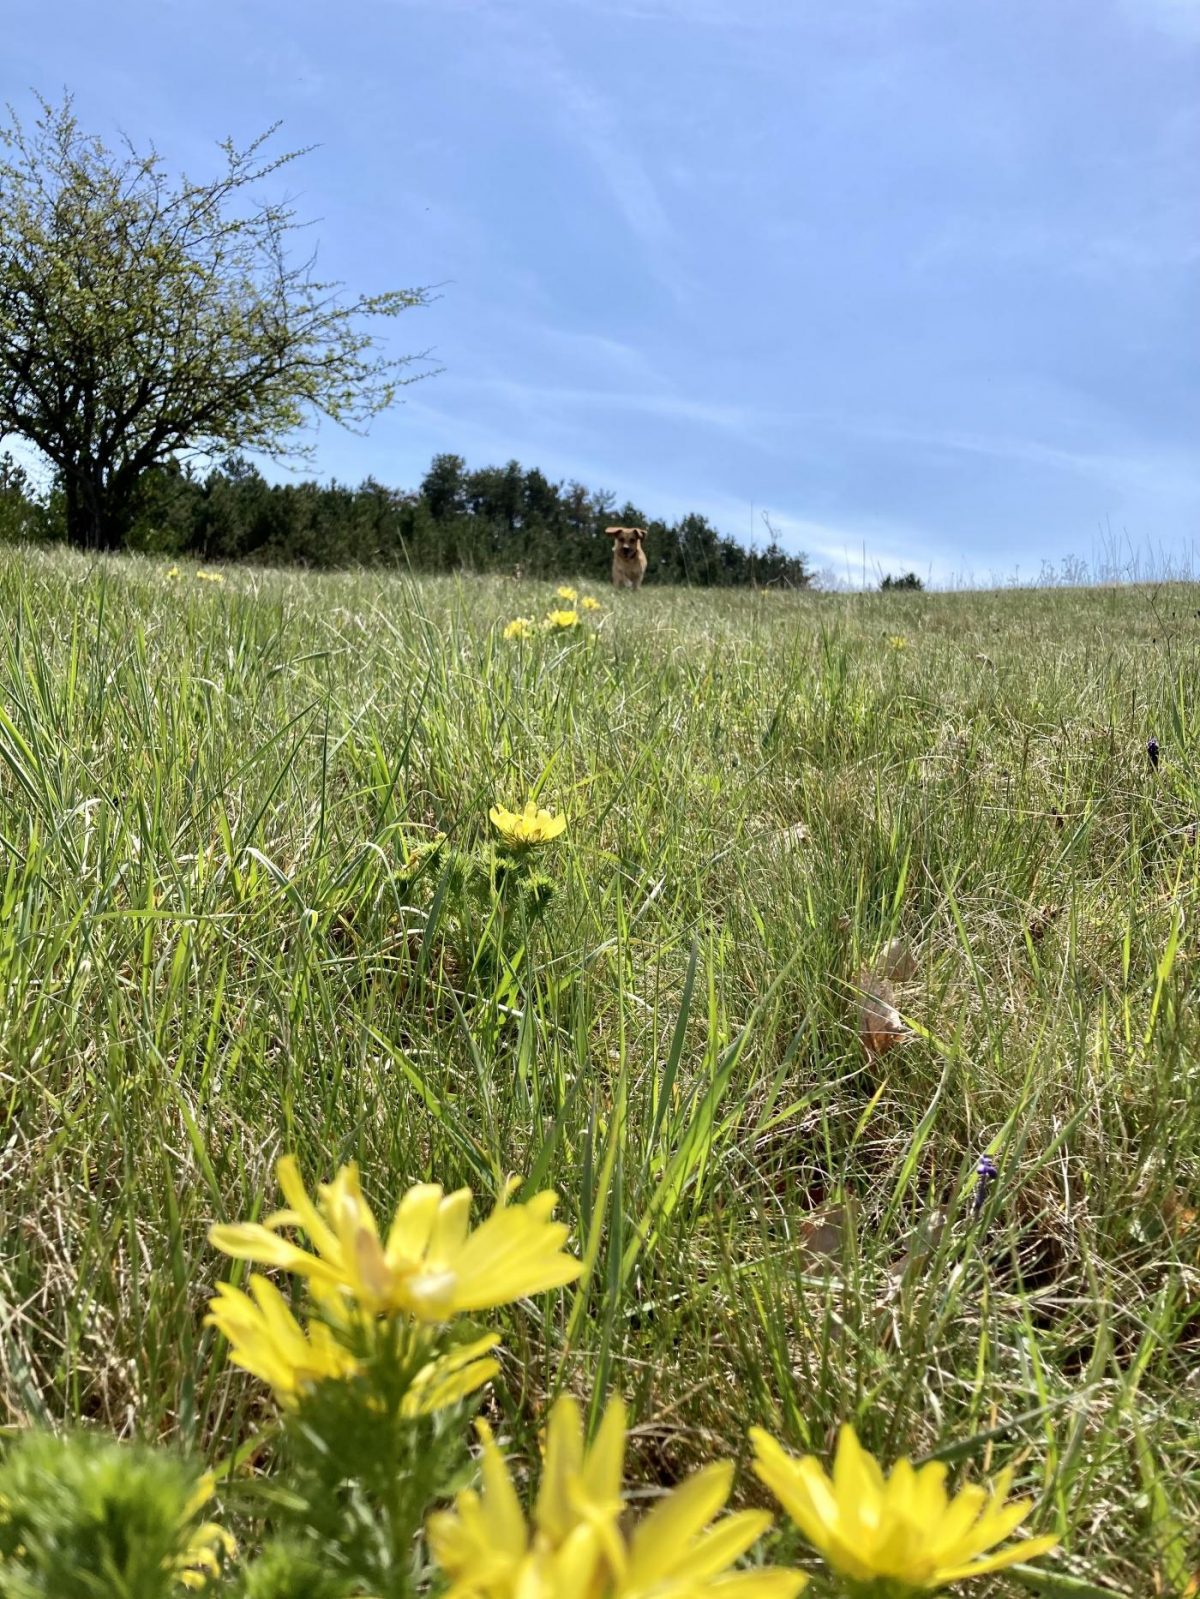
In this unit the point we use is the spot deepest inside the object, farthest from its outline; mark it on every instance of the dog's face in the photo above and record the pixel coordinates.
(627, 541)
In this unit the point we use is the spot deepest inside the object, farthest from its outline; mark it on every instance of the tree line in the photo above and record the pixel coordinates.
(491, 519)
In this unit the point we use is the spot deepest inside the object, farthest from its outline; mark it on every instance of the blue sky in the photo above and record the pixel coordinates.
(920, 278)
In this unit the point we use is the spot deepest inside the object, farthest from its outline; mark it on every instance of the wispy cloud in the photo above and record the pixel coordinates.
(593, 122)
(593, 353)
(548, 399)
(690, 13)
(1161, 237)
(1146, 465)
(857, 550)
(795, 432)
(693, 13)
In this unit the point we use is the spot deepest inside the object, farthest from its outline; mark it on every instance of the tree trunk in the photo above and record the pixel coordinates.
(96, 520)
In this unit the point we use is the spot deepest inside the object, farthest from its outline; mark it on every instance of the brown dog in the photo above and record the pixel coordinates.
(629, 558)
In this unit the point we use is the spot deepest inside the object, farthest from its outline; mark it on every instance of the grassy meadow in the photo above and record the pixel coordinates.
(225, 936)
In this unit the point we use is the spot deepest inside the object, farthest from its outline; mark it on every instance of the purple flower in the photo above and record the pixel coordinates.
(1152, 751)
(986, 1172)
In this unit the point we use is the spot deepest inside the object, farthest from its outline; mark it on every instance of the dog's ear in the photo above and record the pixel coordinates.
(613, 532)
(641, 534)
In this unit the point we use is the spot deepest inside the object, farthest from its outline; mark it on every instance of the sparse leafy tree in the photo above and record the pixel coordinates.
(143, 318)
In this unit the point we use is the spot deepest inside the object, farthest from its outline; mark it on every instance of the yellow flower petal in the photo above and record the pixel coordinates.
(252, 1241)
(773, 1582)
(715, 1550)
(451, 1377)
(1029, 1549)
(511, 1255)
(432, 1267)
(563, 1462)
(582, 1486)
(605, 1462)
(676, 1521)
(806, 1493)
(266, 1340)
(412, 1226)
(481, 1543)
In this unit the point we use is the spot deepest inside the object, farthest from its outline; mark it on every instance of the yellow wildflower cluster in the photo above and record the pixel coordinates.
(173, 574)
(560, 619)
(576, 1545)
(902, 1532)
(430, 1268)
(569, 617)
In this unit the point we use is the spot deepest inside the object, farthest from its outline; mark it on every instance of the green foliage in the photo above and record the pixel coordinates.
(910, 580)
(360, 1484)
(352, 1481)
(292, 1571)
(142, 318)
(23, 515)
(86, 1518)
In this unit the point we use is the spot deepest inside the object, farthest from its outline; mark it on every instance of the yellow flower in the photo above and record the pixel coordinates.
(431, 1266)
(565, 592)
(173, 572)
(530, 826)
(575, 1548)
(450, 1377)
(589, 604)
(208, 1544)
(904, 1528)
(483, 1544)
(210, 577)
(675, 1554)
(561, 619)
(266, 1340)
(520, 627)
(581, 1486)
(898, 641)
